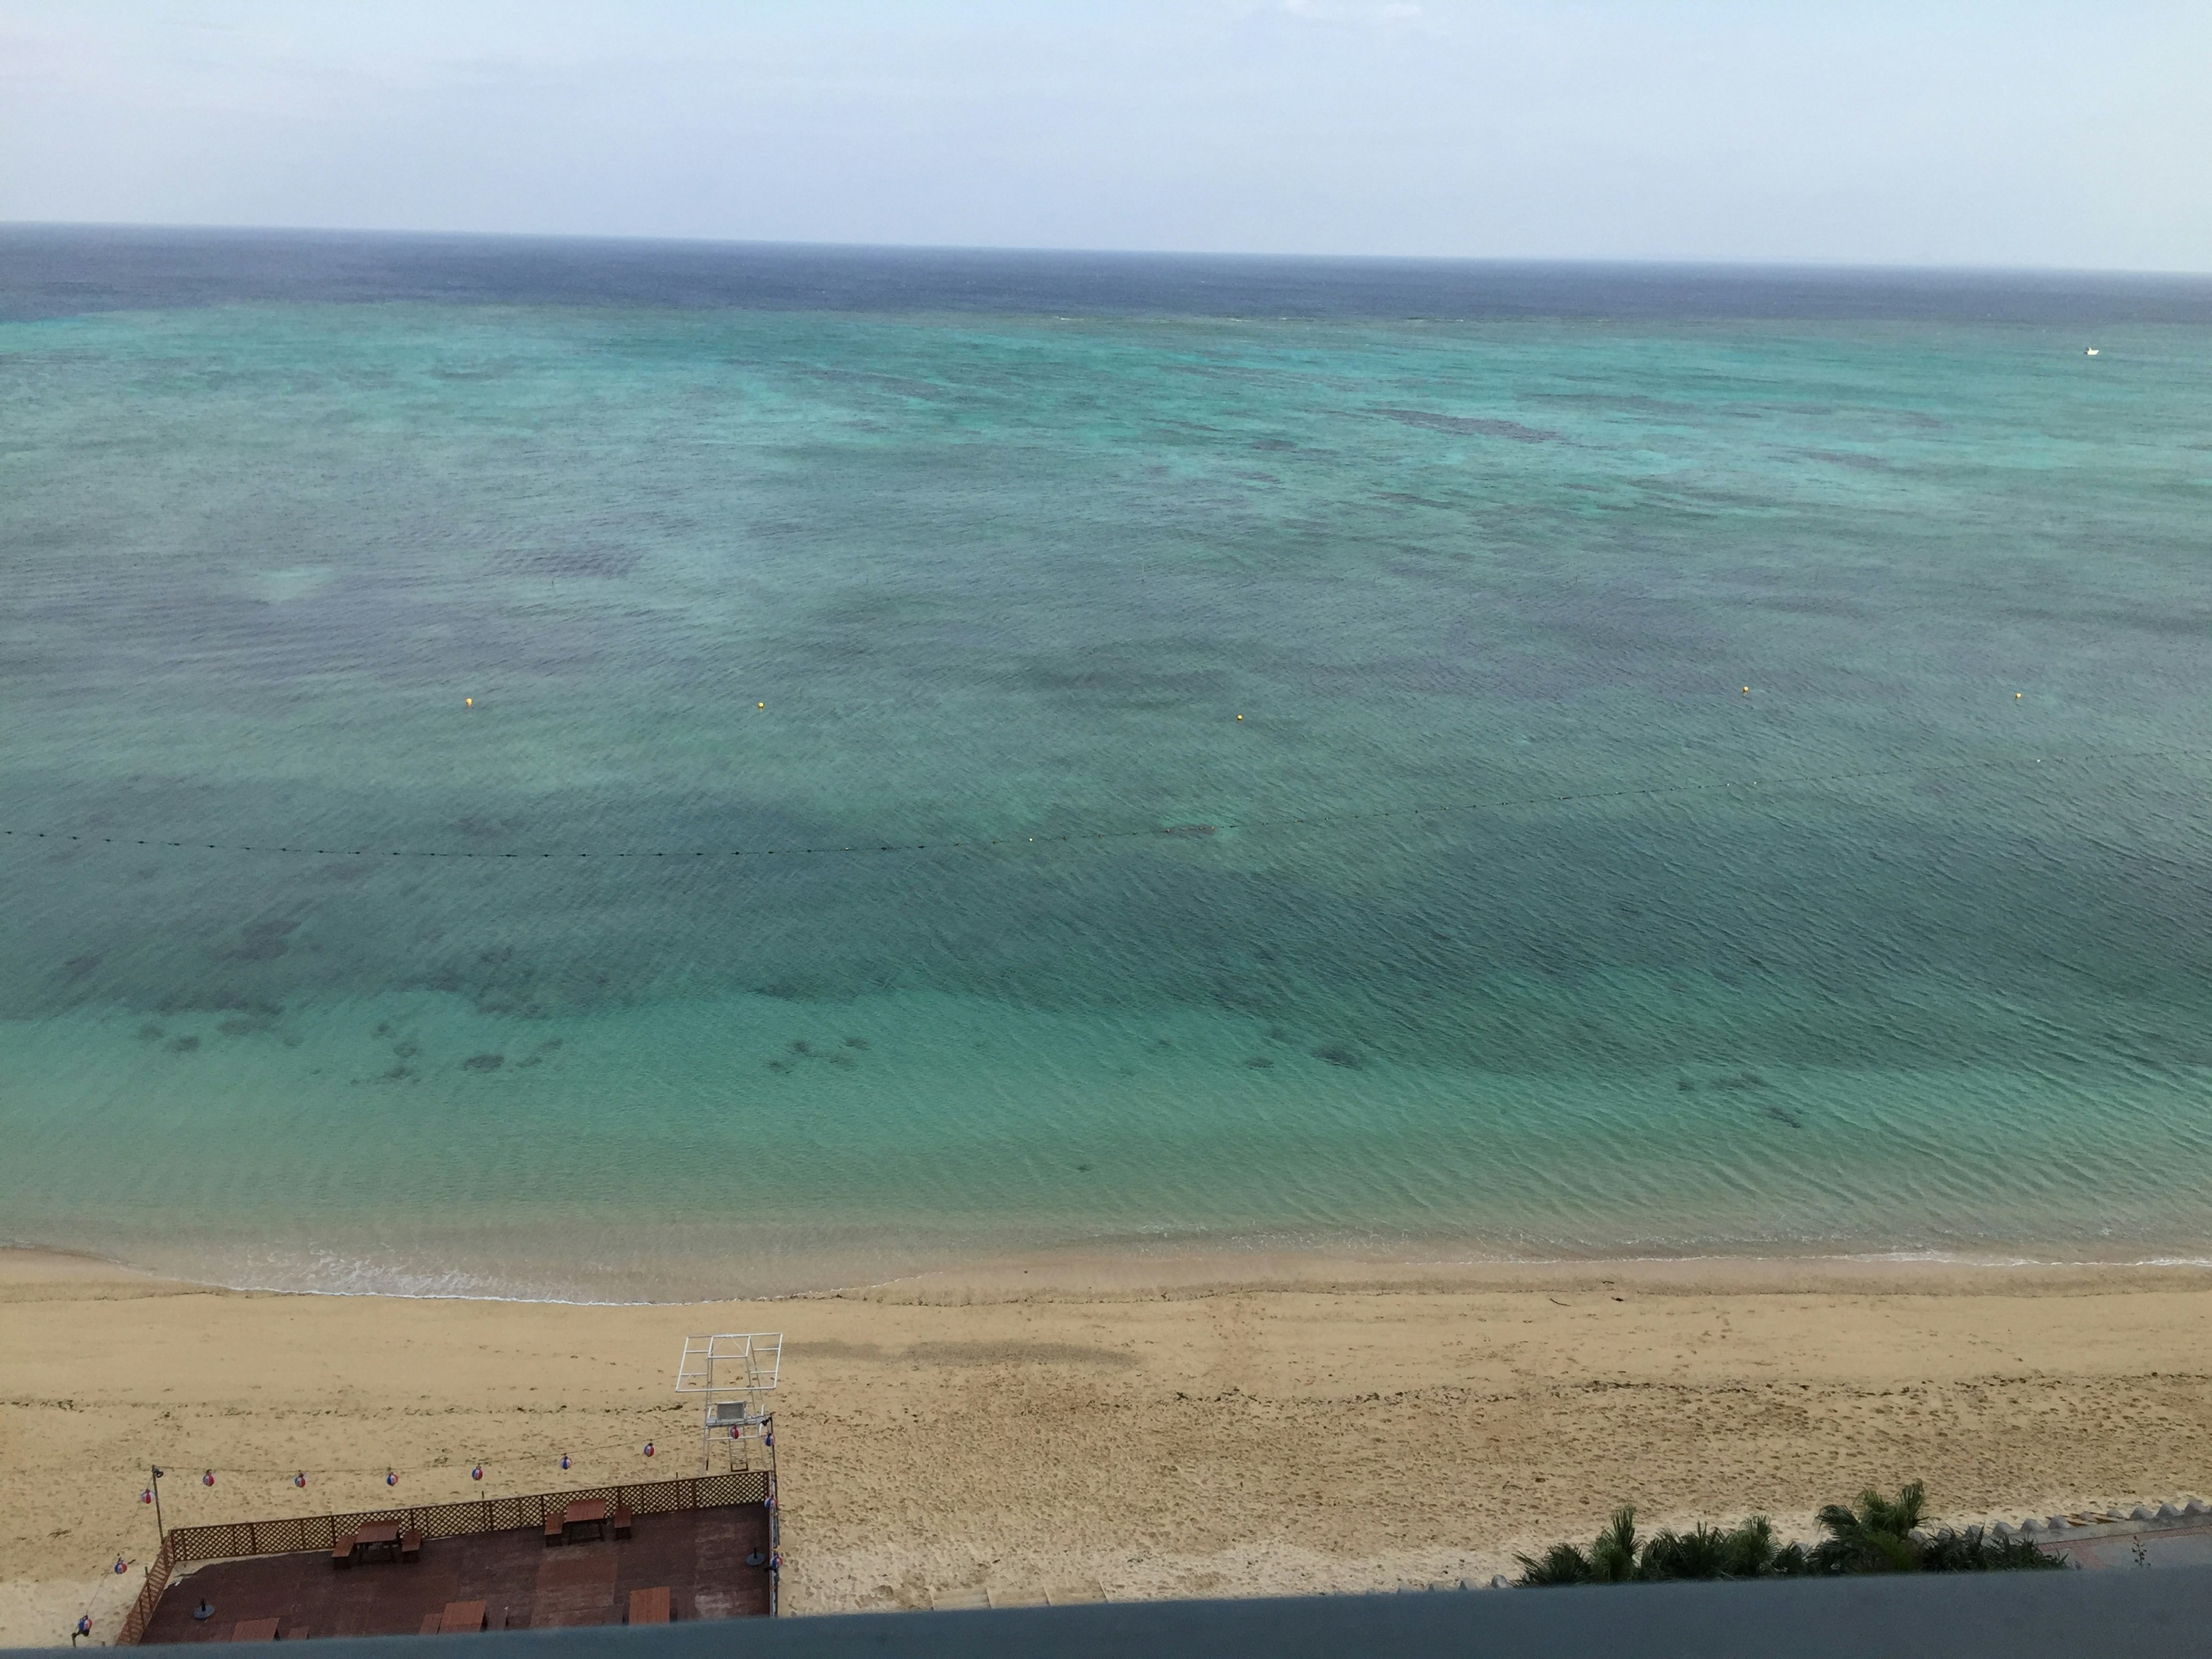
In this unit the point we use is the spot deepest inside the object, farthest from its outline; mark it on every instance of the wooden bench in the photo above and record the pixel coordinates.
(649, 1607)
(554, 1534)
(461, 1617)
(342, 1552)
(622, 1524)
(254, 1629)
(432, 1623)
(410, 1547)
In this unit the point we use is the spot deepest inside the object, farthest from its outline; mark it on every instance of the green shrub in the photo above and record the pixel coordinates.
(1562, 1564)
(1875, 1536)
(1613, 1555)
(1971, 1551)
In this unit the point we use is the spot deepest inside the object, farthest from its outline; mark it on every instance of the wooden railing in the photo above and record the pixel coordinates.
(150, 1593)
(290, 1534)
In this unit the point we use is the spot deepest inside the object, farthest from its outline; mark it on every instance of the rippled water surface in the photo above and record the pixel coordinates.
(1649, 761)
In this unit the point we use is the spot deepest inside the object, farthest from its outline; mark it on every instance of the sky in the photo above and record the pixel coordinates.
(1942, 131)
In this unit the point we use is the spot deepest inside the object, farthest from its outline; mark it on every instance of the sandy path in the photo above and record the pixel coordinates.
(994, 1431)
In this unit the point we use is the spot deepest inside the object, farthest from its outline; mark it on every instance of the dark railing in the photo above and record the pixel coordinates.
(1961, 1615)
(289, 1535)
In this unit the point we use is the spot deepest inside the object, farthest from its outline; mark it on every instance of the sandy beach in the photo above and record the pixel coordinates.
(1142, 1427)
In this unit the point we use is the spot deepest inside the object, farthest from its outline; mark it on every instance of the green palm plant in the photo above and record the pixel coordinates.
(1562, 1564)
(1700, 1552)
(1975, 1551)
(1875, 1537)
(1746, 1550)
(1611, 1559)
(1749, 1551)
(1613, 1555)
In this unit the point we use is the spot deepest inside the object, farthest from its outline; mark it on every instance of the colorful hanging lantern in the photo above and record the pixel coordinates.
(147, 1495)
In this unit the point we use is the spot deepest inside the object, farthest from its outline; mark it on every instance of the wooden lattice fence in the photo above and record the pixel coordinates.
(150, 1593)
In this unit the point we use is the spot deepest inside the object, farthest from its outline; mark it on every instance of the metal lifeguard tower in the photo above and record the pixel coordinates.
(733, 1372)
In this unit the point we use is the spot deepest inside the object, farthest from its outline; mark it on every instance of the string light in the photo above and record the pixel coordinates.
(299, 1477)
(294, 1475)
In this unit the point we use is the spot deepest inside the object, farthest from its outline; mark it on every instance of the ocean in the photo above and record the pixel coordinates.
(620, 770)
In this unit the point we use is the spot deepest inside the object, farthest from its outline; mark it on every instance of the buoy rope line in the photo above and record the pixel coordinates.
(1648, 792)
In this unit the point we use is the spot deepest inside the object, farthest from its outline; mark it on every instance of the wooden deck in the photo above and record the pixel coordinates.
(698, 1556)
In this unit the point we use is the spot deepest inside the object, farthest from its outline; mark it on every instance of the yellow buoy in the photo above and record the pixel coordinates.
(470, 701)
(1746, 690)
(1240, 717)
(760, 705)
(2015, 696)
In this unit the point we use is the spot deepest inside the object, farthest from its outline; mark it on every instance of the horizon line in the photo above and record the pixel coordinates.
(1799, 263)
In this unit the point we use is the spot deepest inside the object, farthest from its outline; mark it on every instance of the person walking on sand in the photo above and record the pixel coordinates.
(83, 1628)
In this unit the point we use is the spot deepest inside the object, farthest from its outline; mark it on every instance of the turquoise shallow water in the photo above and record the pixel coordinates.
(1503, 922)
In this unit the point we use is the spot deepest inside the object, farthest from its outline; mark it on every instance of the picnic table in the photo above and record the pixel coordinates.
(461, 1617)
(584, 1512)
(649, 1607)
(254, 1629)
(386, 1538)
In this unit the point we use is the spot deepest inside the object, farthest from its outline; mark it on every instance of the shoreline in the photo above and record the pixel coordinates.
(1092, 1270)
(1301, 1426)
